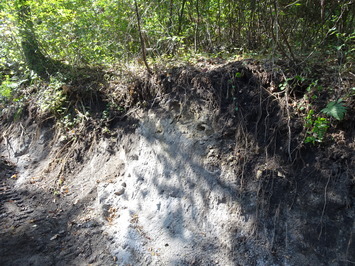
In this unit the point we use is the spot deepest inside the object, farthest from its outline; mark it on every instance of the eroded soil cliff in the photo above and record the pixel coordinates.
(208, 167)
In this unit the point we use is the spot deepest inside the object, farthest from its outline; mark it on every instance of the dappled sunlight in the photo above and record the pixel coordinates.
(204, 172)
(171, 201)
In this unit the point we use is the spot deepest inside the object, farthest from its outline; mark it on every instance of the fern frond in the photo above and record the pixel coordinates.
(335, 109)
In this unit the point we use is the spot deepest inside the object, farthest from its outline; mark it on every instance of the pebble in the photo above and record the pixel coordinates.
(120, 192)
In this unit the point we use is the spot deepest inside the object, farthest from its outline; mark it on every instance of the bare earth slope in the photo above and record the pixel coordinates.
(207, 175)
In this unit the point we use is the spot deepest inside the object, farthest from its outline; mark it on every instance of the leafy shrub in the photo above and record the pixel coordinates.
(53, 99)
(7, 87)
(335, 109)
(316, 128)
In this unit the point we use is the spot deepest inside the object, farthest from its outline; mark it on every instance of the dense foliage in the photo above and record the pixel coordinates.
(105, 31)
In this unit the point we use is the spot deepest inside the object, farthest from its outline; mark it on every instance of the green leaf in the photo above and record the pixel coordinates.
(299, 78)
(335, 109)
(238, 75)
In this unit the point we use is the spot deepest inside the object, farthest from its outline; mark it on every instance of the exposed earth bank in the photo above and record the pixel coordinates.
(211, 169)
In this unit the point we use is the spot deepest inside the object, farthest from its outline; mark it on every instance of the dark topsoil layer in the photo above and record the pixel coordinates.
(264, 130)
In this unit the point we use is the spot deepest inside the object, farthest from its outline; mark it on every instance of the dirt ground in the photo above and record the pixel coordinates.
(208, 169)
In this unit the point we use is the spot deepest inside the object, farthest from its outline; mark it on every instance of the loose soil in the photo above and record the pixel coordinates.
(207, 167)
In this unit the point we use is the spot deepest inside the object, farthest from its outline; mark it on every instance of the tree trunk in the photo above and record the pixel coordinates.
(34, 57)
(181, 17)
(141, 39)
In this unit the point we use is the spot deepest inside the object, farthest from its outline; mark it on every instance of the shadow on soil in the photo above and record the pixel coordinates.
(39, 228)
(297, 201)
(299, 198)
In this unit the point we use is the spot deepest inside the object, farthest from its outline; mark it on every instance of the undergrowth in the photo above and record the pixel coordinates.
(99, 95)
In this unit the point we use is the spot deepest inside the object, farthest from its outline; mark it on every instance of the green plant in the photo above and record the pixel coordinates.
(239, 74)
(316, 128)
(284, 84)
(314, 85)
(53, 99)
(7, 86)
(68, 122)
(292, 82)
(335, 109)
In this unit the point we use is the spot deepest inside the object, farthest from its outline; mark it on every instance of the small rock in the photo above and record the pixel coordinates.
(259, 173)
(134, 157)
(54, 237)
(279, 174)
(120, 192)
(124, 184)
